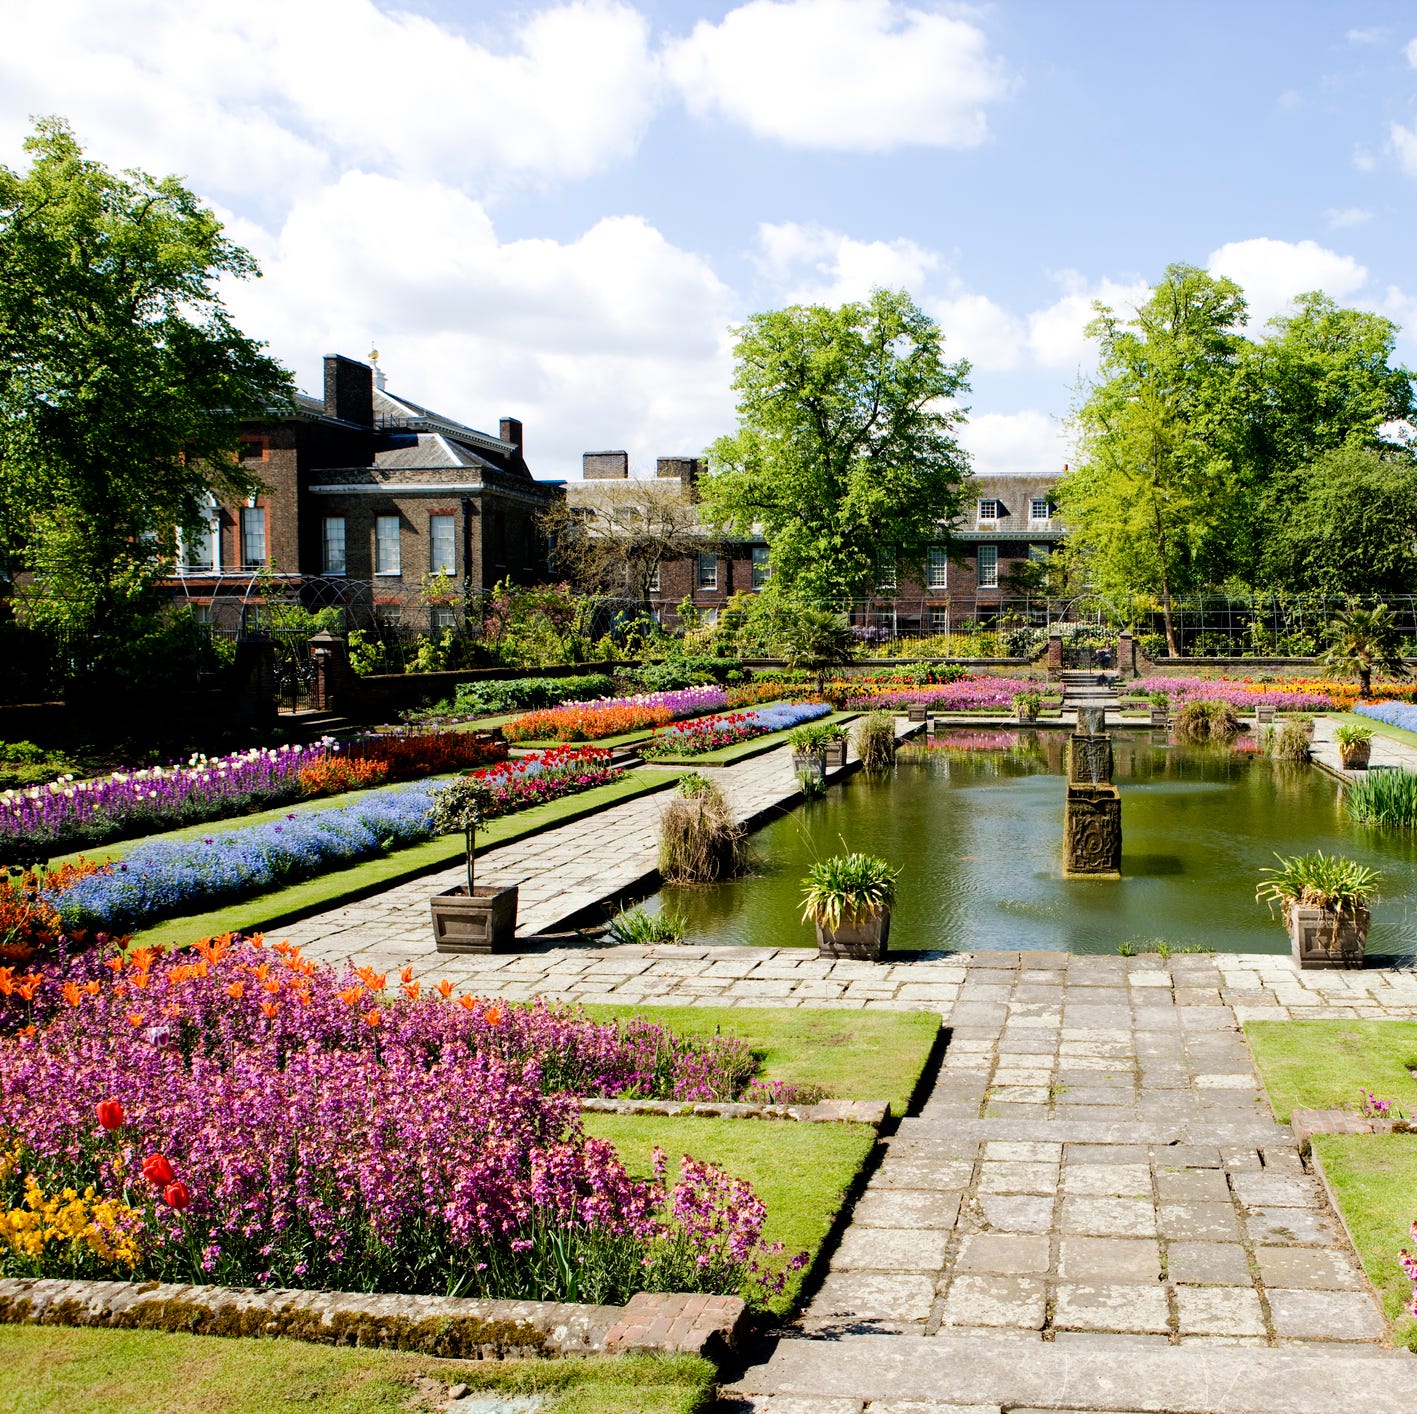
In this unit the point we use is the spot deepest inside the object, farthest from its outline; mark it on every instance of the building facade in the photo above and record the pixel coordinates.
(371, 503)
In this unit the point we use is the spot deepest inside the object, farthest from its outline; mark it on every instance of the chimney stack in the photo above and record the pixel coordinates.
(685, 470)
(511, 431)
(605, 466)
(349, 390)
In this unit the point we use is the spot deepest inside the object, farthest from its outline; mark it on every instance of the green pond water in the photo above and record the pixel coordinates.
(976, 831)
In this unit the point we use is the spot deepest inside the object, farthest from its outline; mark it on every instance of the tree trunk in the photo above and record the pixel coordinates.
(471, 847)
(1365, 682)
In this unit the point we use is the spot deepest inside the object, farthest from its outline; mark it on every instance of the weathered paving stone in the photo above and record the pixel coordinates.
(1219, 1310)
(1012, 1212)
(1199, 1222)
(899, 1298)
(1293, 1226)
(1266, 1190)
(1325, 1315)
(1207, 1263)
(1107, 1180)
(1037, 1178)
(988, 1300)
(1004, 1253)
(906, 1208)
(1191, 1185)
(1108, 1217)
(890, 1249)
(1109, 1260)
(1318, 1268)
(1110, 1308)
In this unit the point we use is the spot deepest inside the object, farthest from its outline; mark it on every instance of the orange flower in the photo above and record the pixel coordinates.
(27, 1030)
(470, 1003)
(283, 947)
(260, 973)
(493, 1015)
(28, 988)
(446, 988)
(257, 940)
(371, 979)
(7, 981)
(411, 988)
(269, 1008)
(370, 1017)
(139, 979)
(135, 1018)
(235, 990)
(272, 987)
(116, 963)
(91, 988)
(351, 995)
(71, 993)
(406, 975)
(300, 995)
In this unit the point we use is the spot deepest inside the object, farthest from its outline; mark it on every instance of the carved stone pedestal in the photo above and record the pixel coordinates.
(1092, 831)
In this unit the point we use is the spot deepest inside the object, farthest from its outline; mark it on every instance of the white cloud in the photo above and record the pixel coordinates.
(1057, 334)
(1363, 159)
(1272, 273)
(616, 338)
(1339, 218)
(845, 75)
(809, 264)
(1028, 441)
(1411, 52)
(1372, 35)
(258, 100)
(976, 328)
(1403, 143)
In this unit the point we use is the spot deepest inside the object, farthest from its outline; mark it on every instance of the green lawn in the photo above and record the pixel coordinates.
(1324, 1064)
(1376, 727)
(853, 1055)
(55, 1370)
(1374, 1180)
(282, 906)
(802, 1172)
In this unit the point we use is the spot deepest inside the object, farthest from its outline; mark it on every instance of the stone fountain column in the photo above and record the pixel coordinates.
(1092, 817)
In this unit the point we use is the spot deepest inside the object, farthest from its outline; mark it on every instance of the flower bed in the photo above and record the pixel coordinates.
(614, 716)
(1395, 714)
(1244, 694)
(236, 1114)
(68, 814)
(967, 695)
(706, 734)
(167, 877)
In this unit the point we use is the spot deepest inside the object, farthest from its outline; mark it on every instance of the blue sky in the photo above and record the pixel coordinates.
(556, 211)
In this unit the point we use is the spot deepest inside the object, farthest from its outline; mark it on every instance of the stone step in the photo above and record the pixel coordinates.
(1101, 1376)
(1207, 1127)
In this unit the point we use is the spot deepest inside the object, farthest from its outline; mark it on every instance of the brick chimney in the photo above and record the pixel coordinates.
(349, 390)
(511, 431)
(605, 466)
(685, 470)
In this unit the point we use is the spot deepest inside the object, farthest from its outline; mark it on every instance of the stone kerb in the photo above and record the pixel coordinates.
(872, 1112)
(451, 1326)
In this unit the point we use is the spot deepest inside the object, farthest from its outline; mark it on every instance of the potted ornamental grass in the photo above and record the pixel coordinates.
(834, 746)
(848, 897)
(1027, 705)
(475, 918)
(1326, 903)
(1160, 708)
(809, 745)
(1355, 745)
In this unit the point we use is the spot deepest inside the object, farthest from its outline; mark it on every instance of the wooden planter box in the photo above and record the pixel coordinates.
(834, 755)
(863, 938)
(918, 712)
(1356, 756)
(1322, 938)
(810, 765)
(484, 923)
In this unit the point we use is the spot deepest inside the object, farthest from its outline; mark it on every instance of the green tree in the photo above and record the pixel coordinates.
(845, 453)
(814, 640)
(1151, 504)
(1349, 525)
(123, 381)
(1365, 641)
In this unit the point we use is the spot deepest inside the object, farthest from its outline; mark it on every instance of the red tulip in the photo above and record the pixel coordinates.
(175, 1195)
(156, 1169)
(110, 1114)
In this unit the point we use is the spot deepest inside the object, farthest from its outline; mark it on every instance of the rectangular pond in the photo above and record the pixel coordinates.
(975, 825)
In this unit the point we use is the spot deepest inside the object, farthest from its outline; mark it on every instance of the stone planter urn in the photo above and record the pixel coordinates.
(812, 764)
(834, 755)
(862, 938)
(1025, 716)
(1160, 716)
(1355, 754)
(1322, 937)
(918, 712)
(1264, 715)
(484, 923)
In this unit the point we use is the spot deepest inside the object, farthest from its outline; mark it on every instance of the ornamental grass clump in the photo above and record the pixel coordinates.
(847, 887)
(1206, 720)
(639, 926)
(699, 838)
(874, 739)
(238, 1114)
(1320, 880)
(1387, 798)
(1289, 742)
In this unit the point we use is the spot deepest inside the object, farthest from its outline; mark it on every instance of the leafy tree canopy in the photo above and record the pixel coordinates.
(845, 453)
(123, 380)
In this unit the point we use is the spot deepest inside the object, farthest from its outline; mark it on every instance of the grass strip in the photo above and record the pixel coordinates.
(853, 1055)
(59, 1370)
(1325, 1064)
(1376, 727)
(754, 746)
(1373, 1179)
(282, 906)
(802, 1172)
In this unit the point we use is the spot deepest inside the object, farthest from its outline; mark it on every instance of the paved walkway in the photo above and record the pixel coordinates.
(1387, 751)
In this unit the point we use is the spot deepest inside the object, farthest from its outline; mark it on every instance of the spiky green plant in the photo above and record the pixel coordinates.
(1206, 721)
(699, 838)
(1365, 641)
(874, 740)
(847, 886)
(638, 925)
(1387, 798)
(1320, 880)
(1290, 743)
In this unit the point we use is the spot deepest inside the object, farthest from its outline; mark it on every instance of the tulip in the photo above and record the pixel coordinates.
(175, 1195)
(110, 1114)
(156, 1169)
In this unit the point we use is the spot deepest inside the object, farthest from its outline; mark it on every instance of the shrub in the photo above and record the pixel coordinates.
(847, 886)
(874, 740)
(699, 838)
(646, 929)
(1387, 798)
(687, 671)
(480, 699)
(1352, 734)
(1200, 720)
(1291, 743)
(813, 740)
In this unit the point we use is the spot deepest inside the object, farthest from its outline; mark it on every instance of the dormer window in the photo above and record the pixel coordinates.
(1039, 509)
(989, 510)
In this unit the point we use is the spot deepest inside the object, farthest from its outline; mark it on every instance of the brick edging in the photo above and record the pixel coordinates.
(872, 1112)
(450, 1326)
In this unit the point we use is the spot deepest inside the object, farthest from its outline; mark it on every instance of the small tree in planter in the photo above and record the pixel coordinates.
(1026, 705)
(475, 919)
(1355, 745)
(1325, 900)
(849, 898)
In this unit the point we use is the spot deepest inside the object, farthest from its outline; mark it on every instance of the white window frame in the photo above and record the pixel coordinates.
(988, 567)
(652, 583)
(388, 566)
(326, 559)
(210, 531)
(988, 508)
(707, 576)
(450, 565)
(248, 560)
(442, 617)
(937, 568)
(1033, 504)
(939, 621)
(761, 568)
(886, 572)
